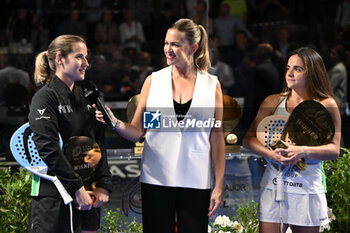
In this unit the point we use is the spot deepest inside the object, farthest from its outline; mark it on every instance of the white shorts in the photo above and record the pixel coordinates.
(296, 209)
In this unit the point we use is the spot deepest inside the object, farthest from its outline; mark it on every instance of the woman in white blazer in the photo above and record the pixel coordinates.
(186, 103)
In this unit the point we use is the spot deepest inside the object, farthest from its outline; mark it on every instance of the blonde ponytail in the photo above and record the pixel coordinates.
(195, 34)
(42, 73)
(201, 56)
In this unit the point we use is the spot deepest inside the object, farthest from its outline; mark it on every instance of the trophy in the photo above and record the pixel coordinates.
(84, 154)
(130, 111)
(231, 116)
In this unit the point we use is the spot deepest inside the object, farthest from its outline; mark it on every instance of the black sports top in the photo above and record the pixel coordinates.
(57, 110)
(181, 109)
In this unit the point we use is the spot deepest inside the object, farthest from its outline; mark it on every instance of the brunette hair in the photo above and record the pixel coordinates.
(317, 81)
(45, 65)
(195, 34)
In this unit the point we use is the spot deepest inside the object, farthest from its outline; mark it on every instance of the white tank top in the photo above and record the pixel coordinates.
(174, 155)
(300, 182)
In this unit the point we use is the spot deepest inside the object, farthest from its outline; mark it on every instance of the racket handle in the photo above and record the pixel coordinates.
(65, 195)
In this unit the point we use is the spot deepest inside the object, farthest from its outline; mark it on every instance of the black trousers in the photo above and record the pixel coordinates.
(50, 214)
(162, 206)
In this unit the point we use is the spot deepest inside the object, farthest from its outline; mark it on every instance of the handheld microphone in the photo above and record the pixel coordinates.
(92, 94)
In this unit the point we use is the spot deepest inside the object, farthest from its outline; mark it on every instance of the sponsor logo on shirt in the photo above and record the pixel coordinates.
(288, 183)
(63, 109)
(41, 112)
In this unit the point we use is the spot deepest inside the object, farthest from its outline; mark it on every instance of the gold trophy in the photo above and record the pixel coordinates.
(130, 111)
(231, 116)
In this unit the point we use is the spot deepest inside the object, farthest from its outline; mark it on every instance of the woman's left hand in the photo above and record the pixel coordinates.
(215, 201)
(100, 196)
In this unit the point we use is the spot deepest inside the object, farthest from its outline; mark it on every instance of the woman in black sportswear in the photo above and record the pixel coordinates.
(60, 107)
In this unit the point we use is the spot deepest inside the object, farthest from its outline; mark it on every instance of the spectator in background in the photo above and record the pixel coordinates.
(39, 37)
(266, 75)
(144, 69)
(266, 79)
(107, 31)
(121, 83)
(243, 51)
(282, 43)
(238, 8)
(225, 27)
(163, 18)
(73, 26)
(190, 8)
(100, 72)
(201, 17)
(92, 9)
(282, 47)
(342, 22)
(10, 74)
(273, 11)
(19, 27)
(116, 60)
(242, 63)
(131, 33)
(338, 76)
(222, 70)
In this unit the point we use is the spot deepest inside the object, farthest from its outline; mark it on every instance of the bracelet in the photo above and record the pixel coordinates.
(117, 124)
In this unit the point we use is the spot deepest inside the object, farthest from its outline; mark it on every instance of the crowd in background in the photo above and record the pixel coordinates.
(249, 42)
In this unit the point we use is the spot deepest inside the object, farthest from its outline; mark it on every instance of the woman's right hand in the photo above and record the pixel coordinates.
(280, 156)
(83, 199)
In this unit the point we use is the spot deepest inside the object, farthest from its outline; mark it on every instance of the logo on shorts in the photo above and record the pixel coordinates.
(151, 120)
(274, 181)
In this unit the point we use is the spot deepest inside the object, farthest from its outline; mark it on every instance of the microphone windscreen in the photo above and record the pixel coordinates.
(92, 94)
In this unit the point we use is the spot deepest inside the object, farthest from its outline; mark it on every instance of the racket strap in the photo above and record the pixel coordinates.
(71, 217)
(280, 188)
(281, 217)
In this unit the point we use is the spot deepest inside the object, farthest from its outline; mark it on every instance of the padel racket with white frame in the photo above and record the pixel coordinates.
(24, 151)
(268, 133)
(270, 130)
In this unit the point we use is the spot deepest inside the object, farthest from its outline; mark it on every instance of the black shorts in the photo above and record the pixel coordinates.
(50, 214)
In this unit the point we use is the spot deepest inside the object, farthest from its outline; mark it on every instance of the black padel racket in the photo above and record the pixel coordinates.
(310, 124)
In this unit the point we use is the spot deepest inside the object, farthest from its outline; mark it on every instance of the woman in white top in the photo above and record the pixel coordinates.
(305, 207)
(131, 32)
(177, 156)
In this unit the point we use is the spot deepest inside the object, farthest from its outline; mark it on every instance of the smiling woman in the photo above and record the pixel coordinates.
(60, 108)
(176, 162)
(66, 56)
